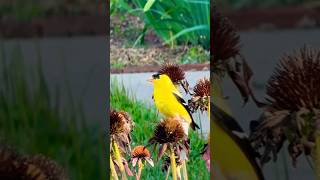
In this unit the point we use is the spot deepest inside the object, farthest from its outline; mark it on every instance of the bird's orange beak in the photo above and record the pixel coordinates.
(150, 80)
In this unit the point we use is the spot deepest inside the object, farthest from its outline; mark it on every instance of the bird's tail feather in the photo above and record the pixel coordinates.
(194, 125)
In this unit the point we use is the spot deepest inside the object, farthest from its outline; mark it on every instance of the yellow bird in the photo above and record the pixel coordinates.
(169, 101)
(232, 152)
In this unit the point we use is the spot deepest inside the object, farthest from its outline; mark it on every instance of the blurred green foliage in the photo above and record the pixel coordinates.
(33, 121)
(195, 54)
(177, 22)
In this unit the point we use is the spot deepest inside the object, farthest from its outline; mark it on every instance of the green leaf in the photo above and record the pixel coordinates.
(188, 30)
(148, 5)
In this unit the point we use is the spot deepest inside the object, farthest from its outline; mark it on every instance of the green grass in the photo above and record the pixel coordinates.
(145, 118)
(195, 54)
(33, 121)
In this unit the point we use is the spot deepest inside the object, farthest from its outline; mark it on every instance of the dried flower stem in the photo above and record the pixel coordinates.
(184, 170)
(168, 172)
(113, 170)
(316, 155)
(173, 163)
(118, 158)
(140, 167)
(178, 172)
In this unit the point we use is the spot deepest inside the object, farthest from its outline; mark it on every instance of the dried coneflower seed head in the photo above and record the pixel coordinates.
(117, 123)
(169, 130)
(40, 167)
(202, 88)
(140, 152)
(15, 166)
(9, 162)
(226, 42)
(296, 82)
(174, 71)
(200, 98)
(129, 124)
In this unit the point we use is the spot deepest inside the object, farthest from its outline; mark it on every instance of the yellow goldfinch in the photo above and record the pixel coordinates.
(233, 154)
(169, 101)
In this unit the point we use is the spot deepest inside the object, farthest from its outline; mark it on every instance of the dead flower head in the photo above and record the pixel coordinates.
(121, 126)
(176, 74)
(201, 96)
(293, 113)
(226, 43)
(41, 167)
(16, 166)
(169, 132)
(227, 58)
(140, 154)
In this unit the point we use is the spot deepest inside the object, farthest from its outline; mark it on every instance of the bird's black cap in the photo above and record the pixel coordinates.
(156, 76)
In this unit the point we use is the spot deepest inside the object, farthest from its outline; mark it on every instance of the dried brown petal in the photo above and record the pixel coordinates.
(206, 155)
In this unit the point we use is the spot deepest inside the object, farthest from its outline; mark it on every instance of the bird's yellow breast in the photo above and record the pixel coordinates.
(168, 105)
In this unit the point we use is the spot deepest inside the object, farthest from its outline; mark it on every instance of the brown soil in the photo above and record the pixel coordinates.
(145, 56)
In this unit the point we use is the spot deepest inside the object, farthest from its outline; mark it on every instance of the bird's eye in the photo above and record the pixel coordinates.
(156, 76)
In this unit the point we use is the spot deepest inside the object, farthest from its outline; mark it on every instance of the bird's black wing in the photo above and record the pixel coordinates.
(225, 119)
(184, 104)
(230, 125)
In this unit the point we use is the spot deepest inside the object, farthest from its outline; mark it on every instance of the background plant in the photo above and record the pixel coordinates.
(177, 22)
(33, 121)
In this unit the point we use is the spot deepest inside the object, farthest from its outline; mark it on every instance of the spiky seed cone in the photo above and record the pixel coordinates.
(15, 166)
(140, 152)
(117, 123)
(202, 88)
(42, 168)
(296, 82)
(200, 98)
(9, 162)
(174, 71)
(226, 41)
(294, 106)
(169, 130)
(120, 121)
